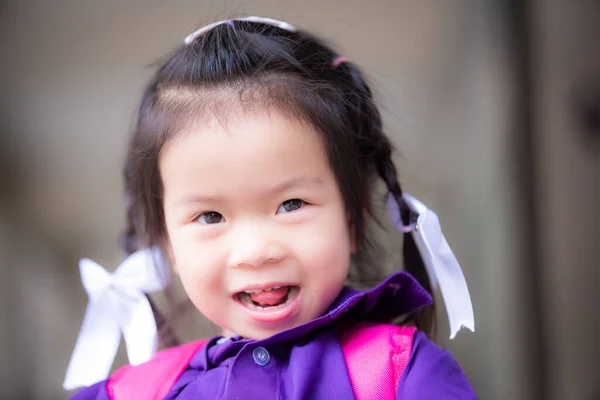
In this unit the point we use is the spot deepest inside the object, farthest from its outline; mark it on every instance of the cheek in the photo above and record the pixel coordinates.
(195, 263)
(326, 261)
(201, 278)
(326, 250)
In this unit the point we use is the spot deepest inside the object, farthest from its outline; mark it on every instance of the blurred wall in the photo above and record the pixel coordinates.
(566, 81)
(72, 72)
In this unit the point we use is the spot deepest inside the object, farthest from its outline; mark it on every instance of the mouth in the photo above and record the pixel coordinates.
(270, 304)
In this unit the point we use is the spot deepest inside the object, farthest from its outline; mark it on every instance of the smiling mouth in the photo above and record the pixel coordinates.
(270, 299)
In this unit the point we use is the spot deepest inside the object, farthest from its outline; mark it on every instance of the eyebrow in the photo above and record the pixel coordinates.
(295, 182)
(282, 187)
(191, 199)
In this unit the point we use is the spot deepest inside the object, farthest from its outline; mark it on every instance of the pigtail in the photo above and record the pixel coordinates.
(130, 243)
(424, 318)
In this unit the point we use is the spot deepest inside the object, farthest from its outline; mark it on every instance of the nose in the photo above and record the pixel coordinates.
(254, 246)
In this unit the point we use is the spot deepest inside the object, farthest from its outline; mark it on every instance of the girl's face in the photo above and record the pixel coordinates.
(256, 224)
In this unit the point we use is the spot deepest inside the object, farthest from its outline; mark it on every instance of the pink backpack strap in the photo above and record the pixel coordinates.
(154, 379)
(376, 356)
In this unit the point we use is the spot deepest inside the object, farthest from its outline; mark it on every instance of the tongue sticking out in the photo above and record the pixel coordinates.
(272, 297)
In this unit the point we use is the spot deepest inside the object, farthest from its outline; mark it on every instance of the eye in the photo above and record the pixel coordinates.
(290, 205)
(210, 218)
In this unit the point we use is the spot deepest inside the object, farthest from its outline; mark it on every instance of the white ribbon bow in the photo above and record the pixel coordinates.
(441, 263)
(116, 304)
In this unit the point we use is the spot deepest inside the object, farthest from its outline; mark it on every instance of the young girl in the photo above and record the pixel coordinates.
(251, 168)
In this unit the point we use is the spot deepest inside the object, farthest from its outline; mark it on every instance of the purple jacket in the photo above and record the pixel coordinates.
(306, 362)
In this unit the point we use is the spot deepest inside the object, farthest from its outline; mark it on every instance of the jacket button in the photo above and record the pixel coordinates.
(261, 356)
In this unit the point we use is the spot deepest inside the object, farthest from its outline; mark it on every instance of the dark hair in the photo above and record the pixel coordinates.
(265, 67)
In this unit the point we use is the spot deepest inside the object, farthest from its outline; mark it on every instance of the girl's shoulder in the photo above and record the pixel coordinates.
(433, 373)
(402, 363)
(152, 379)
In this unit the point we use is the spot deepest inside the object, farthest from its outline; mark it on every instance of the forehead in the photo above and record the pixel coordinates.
(244, 153)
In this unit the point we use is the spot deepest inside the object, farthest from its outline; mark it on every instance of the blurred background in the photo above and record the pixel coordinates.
(493, 105)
